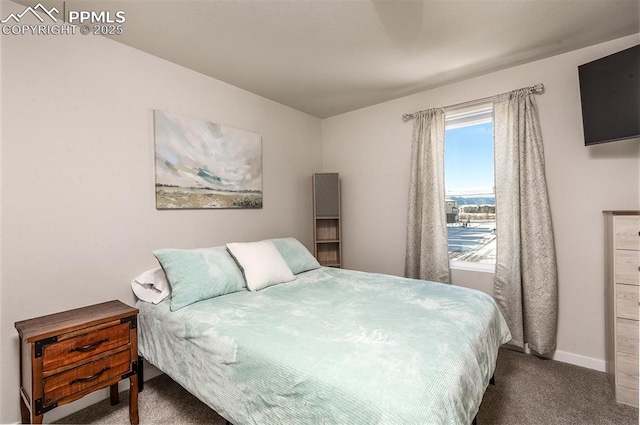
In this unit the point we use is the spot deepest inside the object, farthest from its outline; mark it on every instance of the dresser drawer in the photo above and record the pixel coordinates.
(94, 373)
(627, 263)
(627, 301)
(627, 234)
(627, 336)
(83, 346)
(627, 370)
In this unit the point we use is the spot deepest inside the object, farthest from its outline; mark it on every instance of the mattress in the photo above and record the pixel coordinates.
(332, 347)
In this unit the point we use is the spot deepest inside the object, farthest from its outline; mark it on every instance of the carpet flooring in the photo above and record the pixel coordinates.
(528, 391)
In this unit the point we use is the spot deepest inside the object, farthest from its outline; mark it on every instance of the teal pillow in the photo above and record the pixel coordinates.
(198, 274)
(297, 257)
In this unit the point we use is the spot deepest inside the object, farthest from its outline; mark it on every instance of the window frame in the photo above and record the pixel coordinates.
(480, 113)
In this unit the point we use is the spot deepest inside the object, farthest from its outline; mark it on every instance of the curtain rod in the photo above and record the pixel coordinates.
(537, 89)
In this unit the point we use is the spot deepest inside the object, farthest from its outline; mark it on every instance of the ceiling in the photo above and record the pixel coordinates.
(326, 57)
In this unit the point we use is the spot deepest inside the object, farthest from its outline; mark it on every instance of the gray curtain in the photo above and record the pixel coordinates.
(427, 253)
(526, 276)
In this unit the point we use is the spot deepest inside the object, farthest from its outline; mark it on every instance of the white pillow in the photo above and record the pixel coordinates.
(261, 264)
(151, 286)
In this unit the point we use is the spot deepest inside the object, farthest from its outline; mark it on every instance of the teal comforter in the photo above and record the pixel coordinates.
(332, 347)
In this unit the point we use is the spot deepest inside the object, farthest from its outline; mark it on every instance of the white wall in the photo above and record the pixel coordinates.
(77, 175)
(370, 148)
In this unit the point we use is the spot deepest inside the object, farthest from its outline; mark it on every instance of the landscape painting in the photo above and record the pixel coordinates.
(205, 165)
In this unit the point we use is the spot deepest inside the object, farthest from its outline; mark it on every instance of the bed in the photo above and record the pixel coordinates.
(331, 346)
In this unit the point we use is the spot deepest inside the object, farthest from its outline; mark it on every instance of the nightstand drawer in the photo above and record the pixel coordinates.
(95, 373)
(80, 347)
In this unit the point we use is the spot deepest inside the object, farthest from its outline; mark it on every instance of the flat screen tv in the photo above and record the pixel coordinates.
(610, 96)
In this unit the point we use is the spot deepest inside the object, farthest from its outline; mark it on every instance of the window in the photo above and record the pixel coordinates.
(469, 187)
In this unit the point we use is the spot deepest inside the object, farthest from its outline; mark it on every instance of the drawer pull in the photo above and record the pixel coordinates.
(89, 347)
(90, 377)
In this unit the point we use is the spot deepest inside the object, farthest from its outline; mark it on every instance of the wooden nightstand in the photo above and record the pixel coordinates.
(68, 355)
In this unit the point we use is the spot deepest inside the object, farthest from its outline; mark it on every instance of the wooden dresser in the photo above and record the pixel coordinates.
(68, 355)
(622, 268)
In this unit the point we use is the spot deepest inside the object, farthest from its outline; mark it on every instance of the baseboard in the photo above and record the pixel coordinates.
(566, 357)
(578, 360)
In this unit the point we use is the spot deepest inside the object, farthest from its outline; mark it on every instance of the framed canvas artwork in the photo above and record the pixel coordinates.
(205, 165)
